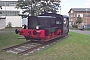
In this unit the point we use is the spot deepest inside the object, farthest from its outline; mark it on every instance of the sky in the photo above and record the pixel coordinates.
(66, 5)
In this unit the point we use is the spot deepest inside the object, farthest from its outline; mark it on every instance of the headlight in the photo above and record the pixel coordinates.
(37, 27)
(24, 26)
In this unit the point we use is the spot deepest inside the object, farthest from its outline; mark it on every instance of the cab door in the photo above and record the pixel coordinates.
(65, 25)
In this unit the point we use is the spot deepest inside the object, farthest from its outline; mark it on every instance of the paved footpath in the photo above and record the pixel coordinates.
(3, 32)
(82, 32)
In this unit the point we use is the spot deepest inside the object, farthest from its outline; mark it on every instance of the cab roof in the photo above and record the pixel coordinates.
(53, 14)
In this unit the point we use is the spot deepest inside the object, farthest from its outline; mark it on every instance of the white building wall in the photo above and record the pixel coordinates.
(2, 23)
(16, 21)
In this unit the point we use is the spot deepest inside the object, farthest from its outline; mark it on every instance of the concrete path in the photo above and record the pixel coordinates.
(82, 32)
(3, 32)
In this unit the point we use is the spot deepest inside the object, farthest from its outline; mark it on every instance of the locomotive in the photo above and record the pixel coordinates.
(45, 27)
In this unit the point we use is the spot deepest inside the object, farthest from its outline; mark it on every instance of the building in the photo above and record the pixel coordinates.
(10, 13)
(84, 13)
(2, 20)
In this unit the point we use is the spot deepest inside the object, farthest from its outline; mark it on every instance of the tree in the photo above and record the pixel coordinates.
(26, 6)
(79, 20)
(36, 7)
(50, 5)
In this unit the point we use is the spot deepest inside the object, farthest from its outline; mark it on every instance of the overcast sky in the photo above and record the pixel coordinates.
(66, 5)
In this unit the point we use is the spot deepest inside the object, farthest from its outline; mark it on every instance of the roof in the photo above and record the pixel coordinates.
(53, 14)
(46, 16)
(80, 9)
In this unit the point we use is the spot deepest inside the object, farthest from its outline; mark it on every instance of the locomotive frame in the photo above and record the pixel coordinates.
(45, 27)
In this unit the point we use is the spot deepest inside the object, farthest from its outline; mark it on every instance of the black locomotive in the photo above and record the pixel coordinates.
(45, 27)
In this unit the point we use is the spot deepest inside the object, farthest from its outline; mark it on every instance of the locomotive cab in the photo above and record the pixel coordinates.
(41, 22)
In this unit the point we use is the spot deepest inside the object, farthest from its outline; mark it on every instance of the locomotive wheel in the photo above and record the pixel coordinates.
(35, 33)
(58, 33)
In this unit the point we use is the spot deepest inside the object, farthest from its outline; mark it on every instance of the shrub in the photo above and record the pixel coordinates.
(9, 25)
(75, 26)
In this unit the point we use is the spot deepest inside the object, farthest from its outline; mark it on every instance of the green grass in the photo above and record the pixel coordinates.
(74, 47)
(9, 39)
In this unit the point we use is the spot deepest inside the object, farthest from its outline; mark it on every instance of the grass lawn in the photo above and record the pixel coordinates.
(75, 47)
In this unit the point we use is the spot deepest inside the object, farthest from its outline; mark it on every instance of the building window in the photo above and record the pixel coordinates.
(71, 11)
(87, 15)
(81, 15)
(8, 3)
(71, 19)
(71, 15)
(74, 15)
(9, 13)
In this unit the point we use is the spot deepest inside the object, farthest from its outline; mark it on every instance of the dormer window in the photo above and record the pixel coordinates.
(71, 11)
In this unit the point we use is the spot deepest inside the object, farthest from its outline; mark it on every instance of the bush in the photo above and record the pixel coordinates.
(75, 26)
(9, 25)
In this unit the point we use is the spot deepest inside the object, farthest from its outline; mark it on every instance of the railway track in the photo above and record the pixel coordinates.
(25, 48)
(28, 47)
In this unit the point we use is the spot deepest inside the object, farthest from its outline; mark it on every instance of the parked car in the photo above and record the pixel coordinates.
(81, 27)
